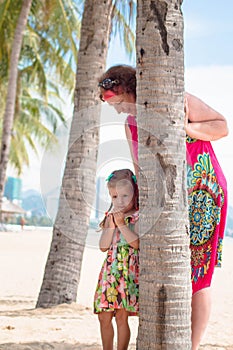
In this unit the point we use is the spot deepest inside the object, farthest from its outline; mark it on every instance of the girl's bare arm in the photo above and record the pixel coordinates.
(107, 234)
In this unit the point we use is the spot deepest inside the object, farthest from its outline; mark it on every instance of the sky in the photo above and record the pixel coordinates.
(208, 53)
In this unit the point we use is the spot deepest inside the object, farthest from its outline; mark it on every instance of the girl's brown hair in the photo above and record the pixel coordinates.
(125, 77)
(122, 177)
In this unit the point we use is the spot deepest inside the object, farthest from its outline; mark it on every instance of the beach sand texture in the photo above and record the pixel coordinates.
(72, 327)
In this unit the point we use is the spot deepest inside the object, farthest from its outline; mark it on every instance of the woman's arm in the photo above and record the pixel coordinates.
(107, 233)
(203, 122)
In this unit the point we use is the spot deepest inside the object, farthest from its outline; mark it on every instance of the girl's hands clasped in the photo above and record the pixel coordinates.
(110, 221)
(118, 218)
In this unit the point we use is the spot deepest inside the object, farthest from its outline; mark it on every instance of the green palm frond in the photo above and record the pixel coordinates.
(9, 13)
(37, 109)
(35, 75)
(28, 133)
(52, 34)
(124, 23)
(18, 153)
(38, 53)
(35, 122)
(47, 66)
(60, 21)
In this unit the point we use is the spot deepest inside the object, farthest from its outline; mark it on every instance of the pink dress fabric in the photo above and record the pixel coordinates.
(132, 124)
(207, 199)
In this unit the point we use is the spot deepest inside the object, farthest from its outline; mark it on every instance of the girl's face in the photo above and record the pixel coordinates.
(122, 198)
(123, 103)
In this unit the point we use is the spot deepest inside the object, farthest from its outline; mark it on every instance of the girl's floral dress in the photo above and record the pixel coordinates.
(117, 286)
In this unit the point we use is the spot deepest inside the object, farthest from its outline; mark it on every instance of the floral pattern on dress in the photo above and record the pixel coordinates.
(117, 286)
(205, 198)
(203, 175)
(190, 139)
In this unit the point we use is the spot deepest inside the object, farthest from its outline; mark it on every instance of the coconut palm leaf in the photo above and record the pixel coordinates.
(124, 24)
(45, 55)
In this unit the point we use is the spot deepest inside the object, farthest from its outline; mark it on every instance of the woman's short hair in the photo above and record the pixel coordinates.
(123, 78)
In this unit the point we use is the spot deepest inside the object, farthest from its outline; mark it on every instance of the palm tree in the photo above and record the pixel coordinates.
(11, 94)
(30, 129)
(78, 186)
(63, 267)
(165, 287)
(124, 23)
(44, 55)
(42, 45)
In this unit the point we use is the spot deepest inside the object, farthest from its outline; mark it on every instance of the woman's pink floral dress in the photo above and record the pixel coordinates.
(117, 286)
(207, 199)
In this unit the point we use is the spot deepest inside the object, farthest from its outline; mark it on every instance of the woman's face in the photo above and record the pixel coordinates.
(123, 103)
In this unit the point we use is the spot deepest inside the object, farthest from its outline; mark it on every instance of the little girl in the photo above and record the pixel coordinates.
(117, 289)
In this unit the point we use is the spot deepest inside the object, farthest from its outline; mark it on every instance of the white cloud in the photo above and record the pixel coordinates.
(195, 28)
(212, 82)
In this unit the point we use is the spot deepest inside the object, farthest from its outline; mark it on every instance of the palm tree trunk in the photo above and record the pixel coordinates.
(62, 271)
(11, 95)
(165, 280)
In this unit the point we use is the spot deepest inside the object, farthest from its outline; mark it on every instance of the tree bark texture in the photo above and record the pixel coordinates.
(62, 271)
(165, 276)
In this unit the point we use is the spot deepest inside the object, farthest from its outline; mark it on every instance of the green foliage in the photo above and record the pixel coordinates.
(124, 23)
(8, 19)
(39, 221)
(47, 64)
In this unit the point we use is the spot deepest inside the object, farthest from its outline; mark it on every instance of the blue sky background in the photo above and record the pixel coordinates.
(208, 32)
(208, 53)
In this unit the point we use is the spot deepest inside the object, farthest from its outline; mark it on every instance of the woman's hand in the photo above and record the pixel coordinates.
(186, 110)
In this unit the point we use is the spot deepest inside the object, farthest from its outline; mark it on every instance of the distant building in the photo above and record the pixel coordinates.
(51, 202)
(99, 207)
(13, 189)
(32, 202)
(102, 199)
(47, 205)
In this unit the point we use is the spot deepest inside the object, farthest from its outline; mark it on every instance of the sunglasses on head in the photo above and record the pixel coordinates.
(108, 83)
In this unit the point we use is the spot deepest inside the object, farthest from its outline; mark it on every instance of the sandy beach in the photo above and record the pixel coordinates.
(23, 256)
